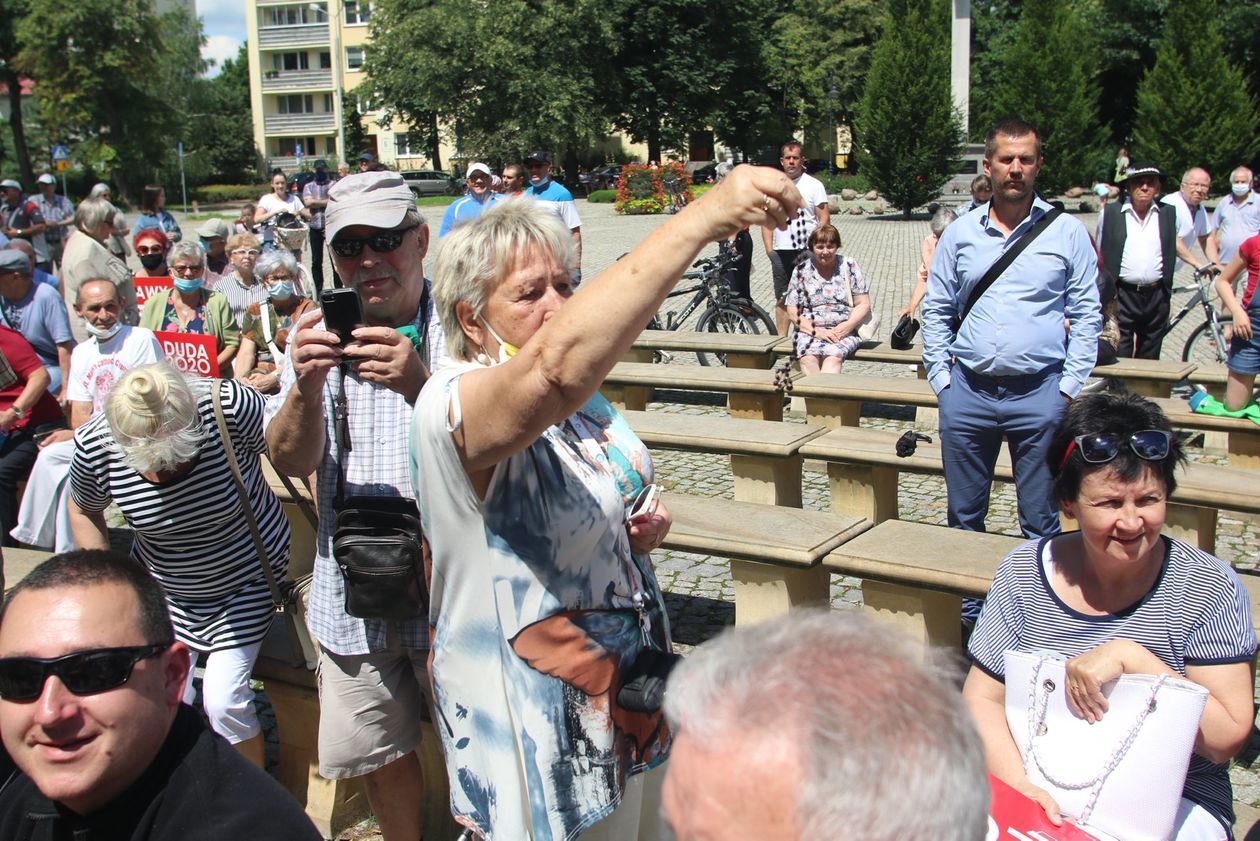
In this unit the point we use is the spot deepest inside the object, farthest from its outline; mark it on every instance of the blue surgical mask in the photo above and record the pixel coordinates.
(280, 290)
(189, 284)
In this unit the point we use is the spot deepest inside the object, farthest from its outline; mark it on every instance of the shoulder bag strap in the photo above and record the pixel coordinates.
(277, 597)
(1003, 263)
(341, 435)
(298, 499)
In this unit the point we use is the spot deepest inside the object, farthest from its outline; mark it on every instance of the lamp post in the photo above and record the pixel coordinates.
(831, 133)
(332, 12)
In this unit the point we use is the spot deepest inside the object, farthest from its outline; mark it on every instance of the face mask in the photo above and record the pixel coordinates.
(506, 349)
(189, 284)
(102, 335)
(205, 246)
(280, 290)
(1240, 190)
(151, 261)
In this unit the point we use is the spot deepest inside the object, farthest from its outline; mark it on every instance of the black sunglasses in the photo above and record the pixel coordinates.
(382, 243)
(83, 672)
(1100, 448)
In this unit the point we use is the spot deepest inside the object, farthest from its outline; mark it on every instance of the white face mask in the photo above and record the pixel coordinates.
(105, 334)
(506, 349)
(1240, 190)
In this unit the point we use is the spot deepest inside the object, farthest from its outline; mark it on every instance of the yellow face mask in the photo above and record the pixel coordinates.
(506, 349)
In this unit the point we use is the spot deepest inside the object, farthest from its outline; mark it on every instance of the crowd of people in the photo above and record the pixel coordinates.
(486, 519)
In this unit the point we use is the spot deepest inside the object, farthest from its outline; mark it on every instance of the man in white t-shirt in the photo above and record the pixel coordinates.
(111, 350)
(1192, 220)
(783, 247)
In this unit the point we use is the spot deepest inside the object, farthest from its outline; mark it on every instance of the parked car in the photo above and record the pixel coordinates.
(606, 177)
(704, 175)
(298, 180)
(430, 182)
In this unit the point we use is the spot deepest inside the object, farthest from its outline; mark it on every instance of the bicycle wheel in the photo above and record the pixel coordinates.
(728, 319)
(756, 313)
(1201, 346)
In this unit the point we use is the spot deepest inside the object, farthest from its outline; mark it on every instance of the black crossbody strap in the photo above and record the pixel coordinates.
(1003, 263)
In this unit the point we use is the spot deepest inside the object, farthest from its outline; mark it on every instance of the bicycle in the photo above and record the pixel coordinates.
(1209, 342)
(674, 189)
(723, 312)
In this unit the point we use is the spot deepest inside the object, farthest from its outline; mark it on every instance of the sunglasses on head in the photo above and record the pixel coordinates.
(83, 672)
(382, 243)
(1102, 447)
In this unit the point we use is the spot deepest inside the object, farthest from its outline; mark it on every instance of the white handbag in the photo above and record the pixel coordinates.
(1120, 777)
(868, 330)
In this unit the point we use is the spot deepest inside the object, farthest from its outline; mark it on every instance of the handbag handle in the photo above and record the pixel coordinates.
(277, 597)
(1037, 717)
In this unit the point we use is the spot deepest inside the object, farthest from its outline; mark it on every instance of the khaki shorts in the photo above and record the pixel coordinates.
(370, 709)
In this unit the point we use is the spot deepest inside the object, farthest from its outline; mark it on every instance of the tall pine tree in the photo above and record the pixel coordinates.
(1193, 105)
(909, 134)
(1049, 79)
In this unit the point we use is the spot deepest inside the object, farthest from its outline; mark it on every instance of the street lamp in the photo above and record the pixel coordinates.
(333, 14)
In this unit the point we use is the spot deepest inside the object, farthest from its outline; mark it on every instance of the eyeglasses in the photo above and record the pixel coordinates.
(277, 278)
(185, 269)
(382, 243)
(149, 249)
(246, 252)
(83, 672)
(1100, 448)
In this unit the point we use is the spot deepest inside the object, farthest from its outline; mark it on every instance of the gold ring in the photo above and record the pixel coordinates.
(765, 204)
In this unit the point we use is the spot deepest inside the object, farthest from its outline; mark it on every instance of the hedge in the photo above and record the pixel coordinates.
(224, 193)
(602, 197)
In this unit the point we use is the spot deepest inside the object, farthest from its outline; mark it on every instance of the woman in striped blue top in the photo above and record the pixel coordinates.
(157, 452)
(1117, 597)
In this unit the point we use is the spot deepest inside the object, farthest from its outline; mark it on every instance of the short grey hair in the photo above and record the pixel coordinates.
(92, 213)
(864, 705)
(941, 219)
(189, 250)
(474, 258)
(280, 258)
(1245, 169)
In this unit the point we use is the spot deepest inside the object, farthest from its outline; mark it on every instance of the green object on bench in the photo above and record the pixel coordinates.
(1206, 404)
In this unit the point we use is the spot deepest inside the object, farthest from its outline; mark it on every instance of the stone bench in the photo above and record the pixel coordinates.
(1242, 445)
(750, 392)
(774, 551)
(863, 470)
(742, 350)
(765, 455)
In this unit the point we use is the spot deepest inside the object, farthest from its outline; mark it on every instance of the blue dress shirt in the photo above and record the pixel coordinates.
(466, 209)
(1017, 326)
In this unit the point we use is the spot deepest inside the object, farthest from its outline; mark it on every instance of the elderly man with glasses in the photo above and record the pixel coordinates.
(371, 669)
(90, 683)
(1192, 219)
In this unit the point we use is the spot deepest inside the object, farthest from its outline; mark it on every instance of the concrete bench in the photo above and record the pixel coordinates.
(742, 350)
(863, 470)
(750, 392)
(765, 455)
(835, 400)
(1242, 445)
(775, 552)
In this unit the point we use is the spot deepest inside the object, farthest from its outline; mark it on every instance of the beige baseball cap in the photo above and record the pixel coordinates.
(376, 199)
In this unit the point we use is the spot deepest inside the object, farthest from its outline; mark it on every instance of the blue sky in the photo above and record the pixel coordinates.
(224, 24)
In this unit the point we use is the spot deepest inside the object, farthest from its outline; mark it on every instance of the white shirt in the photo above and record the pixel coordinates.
(1190, 224)
(814, 193)
(271, 203)
(1142, 262)
(95, 367)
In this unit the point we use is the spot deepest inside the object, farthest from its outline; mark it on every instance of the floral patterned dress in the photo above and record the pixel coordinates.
(827, 302)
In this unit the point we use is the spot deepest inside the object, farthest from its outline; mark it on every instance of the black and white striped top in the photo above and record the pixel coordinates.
(1196, 614)
(190, 531)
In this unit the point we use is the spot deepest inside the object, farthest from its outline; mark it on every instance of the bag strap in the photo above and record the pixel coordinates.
(341, 435)
(298, 499)
(1003, 263)
(277, 597)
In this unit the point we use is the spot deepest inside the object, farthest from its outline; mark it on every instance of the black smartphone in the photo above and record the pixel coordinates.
(342, 311)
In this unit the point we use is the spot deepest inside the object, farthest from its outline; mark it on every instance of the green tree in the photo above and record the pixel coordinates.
(14, 10)
(224, 157)
(1049, 80)
(357, 134)
(993, 28)
(744, 109)
(908, 133)
(1126, 33)
(1193, 106)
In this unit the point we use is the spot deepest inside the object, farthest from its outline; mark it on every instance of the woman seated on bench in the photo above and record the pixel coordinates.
(827, 299)
(1113, 597)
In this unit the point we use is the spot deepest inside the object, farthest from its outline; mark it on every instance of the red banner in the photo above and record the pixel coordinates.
(147, 287)
(190, 352)
(1014, 817)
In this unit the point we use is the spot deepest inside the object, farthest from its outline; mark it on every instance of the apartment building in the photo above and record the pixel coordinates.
(305, 59)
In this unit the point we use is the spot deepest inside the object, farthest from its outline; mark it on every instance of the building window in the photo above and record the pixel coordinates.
(411, 143)
(330, 145)
(364, 106)
(295, 16)
(296, 103)
(325, 61)
(286, 146)
(358, 11)
(328, 103)
(354, 58)
(290, 61)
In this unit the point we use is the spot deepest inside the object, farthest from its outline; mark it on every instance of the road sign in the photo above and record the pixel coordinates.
(62, 165)
(60, 153)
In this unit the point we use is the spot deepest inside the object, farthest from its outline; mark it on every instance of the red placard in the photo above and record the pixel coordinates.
(147, 287)
(190, 352)
(1014, 817)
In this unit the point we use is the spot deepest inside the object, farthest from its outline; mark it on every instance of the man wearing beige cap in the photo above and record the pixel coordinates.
(372, 670)
(214, 234)
(479, 199)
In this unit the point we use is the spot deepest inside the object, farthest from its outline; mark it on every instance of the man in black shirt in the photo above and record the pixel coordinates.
(90, 683)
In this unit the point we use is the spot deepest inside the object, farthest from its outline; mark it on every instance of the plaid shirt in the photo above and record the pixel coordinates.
(376, 465)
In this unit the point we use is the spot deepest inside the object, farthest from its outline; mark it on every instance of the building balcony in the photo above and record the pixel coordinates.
(294, 80)
(299, 123)
(282, 37)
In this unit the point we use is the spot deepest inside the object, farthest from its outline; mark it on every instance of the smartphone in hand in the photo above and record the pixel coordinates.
(342, 311)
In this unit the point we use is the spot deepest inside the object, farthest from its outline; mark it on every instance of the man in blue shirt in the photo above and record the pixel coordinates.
(480, 198)
(37, 312)
(556, 198)
(1012, 367)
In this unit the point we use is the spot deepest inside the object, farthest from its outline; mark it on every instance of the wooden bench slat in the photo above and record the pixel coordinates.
(900, 390)
(695, 340)
(692, 377)
(706, 433)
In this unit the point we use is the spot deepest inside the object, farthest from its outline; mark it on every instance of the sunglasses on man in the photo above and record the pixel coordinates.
(382, 243)
(82, 673)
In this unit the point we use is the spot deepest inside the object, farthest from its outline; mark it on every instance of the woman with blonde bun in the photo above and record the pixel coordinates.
(157, 452)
